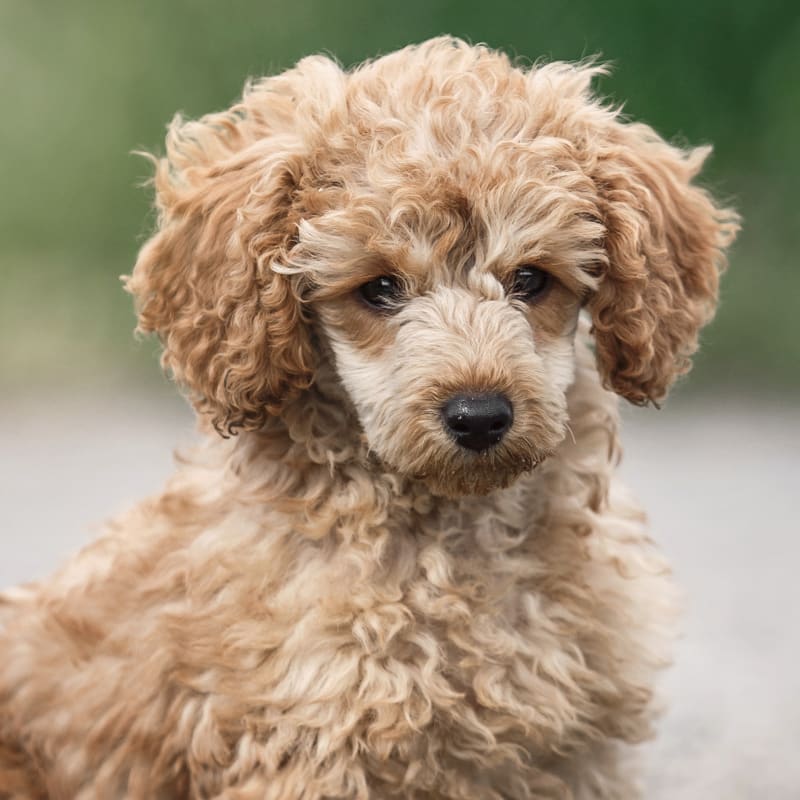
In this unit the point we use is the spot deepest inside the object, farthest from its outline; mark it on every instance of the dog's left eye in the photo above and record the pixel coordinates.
(383, 292)
(530, 283)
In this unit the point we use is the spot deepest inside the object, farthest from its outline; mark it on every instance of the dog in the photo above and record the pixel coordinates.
(404, 300)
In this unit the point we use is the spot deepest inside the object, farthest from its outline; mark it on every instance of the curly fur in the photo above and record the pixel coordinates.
(338, 602)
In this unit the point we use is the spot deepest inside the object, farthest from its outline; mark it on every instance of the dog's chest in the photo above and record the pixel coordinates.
(447, 653)
(471, 648)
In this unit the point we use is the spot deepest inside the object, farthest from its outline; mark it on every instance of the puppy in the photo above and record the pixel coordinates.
(403, 300)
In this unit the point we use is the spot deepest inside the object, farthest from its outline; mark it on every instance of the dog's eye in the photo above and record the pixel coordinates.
(530, 283)
(383, 292)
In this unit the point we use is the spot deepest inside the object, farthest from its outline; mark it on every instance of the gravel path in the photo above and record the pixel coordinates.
(719, 480)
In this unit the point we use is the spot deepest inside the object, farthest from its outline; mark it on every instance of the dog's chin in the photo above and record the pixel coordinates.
(455, 486)
(459, 474)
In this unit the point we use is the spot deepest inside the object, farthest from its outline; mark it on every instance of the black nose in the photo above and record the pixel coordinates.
(478, 421)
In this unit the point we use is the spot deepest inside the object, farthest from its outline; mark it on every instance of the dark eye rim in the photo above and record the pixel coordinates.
(385, 302)
(530, 294)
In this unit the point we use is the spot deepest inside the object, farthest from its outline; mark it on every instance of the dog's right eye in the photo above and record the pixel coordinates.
(383, 292)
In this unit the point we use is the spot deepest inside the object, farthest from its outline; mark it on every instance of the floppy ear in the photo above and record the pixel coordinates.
(665, 241)
(232, 328)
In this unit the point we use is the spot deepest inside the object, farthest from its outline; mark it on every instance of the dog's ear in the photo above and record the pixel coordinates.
(665, 242)
(232, 326)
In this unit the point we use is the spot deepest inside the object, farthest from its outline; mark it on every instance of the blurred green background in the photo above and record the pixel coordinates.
(83, 83)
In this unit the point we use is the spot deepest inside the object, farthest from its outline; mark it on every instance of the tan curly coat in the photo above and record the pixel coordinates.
(332, 599)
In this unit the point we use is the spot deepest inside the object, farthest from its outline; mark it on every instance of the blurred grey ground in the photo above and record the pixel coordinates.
(719, 479)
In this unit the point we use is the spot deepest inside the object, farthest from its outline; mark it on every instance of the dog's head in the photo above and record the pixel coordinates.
(434, 221)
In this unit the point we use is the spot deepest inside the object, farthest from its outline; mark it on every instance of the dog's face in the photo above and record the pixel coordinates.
(449, 296)
(463, 383)
(435, 221)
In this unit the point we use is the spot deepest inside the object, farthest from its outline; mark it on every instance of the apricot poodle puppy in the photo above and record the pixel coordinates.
(403, 300)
